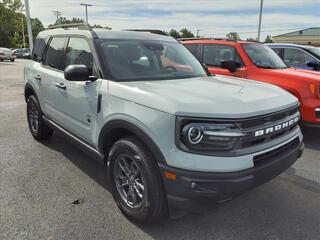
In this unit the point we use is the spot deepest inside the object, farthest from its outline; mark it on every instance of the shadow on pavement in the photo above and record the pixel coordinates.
(271, 211)
(94, 168)
(311, 137)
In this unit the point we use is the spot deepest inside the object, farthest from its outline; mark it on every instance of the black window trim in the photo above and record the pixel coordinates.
(46, 50)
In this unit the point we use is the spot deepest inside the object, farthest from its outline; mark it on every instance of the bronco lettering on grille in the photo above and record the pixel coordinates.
(276, 128)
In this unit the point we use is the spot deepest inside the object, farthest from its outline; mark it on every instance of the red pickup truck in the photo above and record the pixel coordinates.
(259, 62)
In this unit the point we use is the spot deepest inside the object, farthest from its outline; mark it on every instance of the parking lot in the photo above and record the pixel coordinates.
(40, 181)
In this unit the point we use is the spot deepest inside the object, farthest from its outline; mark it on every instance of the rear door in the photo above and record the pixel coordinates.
(47, 72)
(214, 54)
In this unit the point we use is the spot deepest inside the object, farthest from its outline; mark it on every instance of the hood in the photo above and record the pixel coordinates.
(298, 74)
(216, 97)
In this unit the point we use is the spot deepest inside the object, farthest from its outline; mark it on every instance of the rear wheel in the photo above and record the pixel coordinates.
(37, 127)
(12, 60)
(136, 183)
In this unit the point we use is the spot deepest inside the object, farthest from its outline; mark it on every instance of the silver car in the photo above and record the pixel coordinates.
(170, 136)
(7, 54)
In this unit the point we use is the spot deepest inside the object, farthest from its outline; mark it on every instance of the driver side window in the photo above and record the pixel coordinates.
(296, 57)
(78, 52)
(214, 54)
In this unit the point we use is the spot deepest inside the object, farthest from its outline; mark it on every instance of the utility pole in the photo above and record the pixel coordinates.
(58, 14)
(260, 18)
(26, 4)
(23, 37)
(86, 8)
(198, 30)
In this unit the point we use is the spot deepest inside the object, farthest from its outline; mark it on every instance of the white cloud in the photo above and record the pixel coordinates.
(211, 17)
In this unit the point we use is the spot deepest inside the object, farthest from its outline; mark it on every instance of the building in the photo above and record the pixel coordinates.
(309, 36)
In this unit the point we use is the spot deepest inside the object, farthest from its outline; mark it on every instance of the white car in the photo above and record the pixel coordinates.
(7, 54)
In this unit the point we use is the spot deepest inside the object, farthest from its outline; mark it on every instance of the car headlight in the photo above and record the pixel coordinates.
(210, 136)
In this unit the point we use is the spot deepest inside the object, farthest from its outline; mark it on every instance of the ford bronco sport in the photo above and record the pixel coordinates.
(169, 135)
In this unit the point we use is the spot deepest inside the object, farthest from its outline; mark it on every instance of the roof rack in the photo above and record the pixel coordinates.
(154, 31)
(79, 26)
(204, 38)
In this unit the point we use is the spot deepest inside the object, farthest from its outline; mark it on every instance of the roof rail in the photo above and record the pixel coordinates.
(154, 31)
(204, 38)
(80, 26)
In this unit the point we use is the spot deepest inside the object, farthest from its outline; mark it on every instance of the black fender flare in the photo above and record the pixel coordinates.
(125, 125)
(28, 87)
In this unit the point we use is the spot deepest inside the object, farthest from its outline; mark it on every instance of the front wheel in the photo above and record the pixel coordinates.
(135, 179)
(38, 128)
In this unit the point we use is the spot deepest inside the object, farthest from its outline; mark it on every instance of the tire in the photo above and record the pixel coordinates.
(151, 203)
(12, 60)
(37, 127)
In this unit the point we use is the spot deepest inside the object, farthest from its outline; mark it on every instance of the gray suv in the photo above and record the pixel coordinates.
(170, 135)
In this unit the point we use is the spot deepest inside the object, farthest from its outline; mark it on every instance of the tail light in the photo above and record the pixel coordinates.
(315, 90)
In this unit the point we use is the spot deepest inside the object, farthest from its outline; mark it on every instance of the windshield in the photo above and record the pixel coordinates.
(149, 60)
(263, 56)
(316, 51)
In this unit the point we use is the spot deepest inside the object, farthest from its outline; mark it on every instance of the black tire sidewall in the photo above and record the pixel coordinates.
(151, 177)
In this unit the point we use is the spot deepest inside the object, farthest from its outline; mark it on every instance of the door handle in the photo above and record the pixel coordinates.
(61, 86)
(37, 77)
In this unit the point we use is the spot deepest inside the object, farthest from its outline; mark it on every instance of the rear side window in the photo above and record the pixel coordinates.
(213, 54)
(78, 52)
(54, 53)
(39, 47)
(194, 49)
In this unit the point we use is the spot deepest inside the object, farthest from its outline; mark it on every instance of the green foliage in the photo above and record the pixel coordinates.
(99, 26)
(268, 39)
(174, 33)
(183, 33)
(63, 20)
(11, 24)
(233, 36)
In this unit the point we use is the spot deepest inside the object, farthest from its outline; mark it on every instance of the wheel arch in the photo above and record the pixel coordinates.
(114, 130)
(28, 91)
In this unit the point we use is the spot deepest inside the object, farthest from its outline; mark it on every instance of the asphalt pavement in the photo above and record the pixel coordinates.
(39, 182)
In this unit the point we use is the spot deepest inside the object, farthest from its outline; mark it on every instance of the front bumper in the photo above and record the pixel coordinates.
(193, 191)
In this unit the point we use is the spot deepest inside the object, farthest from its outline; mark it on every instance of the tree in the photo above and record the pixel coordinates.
(13, 5)
(174, 33)
(233, 36)
(63, 20)
(11, 24)
(251, 39)
(99, 26)
(185, 33)
(268, 39)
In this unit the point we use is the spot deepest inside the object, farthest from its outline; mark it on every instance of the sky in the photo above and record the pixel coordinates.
(213, 18)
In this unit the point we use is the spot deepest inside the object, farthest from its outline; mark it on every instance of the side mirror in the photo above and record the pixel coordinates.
(78, 73)
(314, 64)
(230, 65)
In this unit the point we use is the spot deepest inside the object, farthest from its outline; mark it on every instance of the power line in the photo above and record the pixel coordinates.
(57, 13)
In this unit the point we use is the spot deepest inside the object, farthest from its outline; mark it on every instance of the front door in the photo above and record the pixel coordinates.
(76, 102)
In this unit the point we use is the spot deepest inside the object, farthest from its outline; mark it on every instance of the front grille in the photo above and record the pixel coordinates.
(267, 119)
(250, 126)
(269, 156)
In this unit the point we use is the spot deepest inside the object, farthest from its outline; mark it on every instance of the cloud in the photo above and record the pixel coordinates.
(213, 18)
